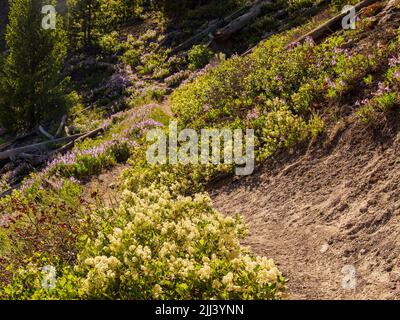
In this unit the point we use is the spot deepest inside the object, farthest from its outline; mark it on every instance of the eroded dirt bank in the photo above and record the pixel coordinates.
(334, 205)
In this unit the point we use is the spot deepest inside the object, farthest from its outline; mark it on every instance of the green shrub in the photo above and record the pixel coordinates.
(281, 129)
(42, 218)
(168, 247)
(277, 97)
(131, 57)
(160, 245)
(111, 43)
(199, 56)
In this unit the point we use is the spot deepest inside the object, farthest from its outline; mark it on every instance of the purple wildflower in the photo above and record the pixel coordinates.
(253, 114)
(393, 61)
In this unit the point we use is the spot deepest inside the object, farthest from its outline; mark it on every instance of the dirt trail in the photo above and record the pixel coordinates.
(104, 188)
(326, 209)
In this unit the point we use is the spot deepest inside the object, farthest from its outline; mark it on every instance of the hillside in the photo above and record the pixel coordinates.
(78, 192)
(317, 212)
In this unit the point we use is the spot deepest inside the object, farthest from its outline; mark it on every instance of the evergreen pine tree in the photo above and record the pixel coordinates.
(83, 21)
(31, 83)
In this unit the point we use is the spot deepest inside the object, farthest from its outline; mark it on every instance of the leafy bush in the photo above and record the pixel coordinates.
(281, 129)
(111, 43)
(199, 56)
(43, 218)
(160, 245)
(131, 57)
(277, 97)
(88, 162)
(386, 96)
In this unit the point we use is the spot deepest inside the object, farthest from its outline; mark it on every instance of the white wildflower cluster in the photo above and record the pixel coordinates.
(167, 246)
(161, 244)
(103, 271)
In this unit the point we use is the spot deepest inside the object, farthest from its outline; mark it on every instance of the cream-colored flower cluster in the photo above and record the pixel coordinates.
(163, 245)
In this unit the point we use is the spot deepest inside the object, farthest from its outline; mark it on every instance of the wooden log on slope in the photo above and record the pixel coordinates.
(21, 137)
(211, 28)
(284, 23)
(14, 152)
(44, 133)
(61, 126)
(241, 22)
(71, 144)
(39, 160)
(332, 24)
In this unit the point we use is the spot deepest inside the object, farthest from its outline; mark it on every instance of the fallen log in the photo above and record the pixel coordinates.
(212, 27)
(170, 37)
(61, 126)
(6, 145)
(37, 159)
(284, 24)
(239, 23)
(278, 29)
(18, 138)
(14, 152)
(34, 160)
(28, 156)
(71, 144)
(44, 133)
(332, 24)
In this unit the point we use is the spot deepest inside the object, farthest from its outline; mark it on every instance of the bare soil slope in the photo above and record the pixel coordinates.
(334, 205)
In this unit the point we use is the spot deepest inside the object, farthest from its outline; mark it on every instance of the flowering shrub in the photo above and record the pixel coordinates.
(93, 156)
(279, 98)
(281, 129)
(167, 246)
(161, 245)
(47, 215)
(192, 177)
(91, 161)
(26, 283)
(386, 96)
(44, 219)
(164, 240)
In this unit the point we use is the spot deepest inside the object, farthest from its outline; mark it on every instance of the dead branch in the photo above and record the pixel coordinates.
(61, 126)
(71, 144)
(168, 39)
(40, 146)
(210, 29)
(332, 24)
(28, 156)
(18, 138)
(239, 23)
(44, 133)
(213, 25)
